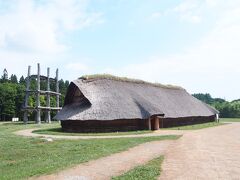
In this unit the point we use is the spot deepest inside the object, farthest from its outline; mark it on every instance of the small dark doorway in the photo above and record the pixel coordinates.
(154, 123)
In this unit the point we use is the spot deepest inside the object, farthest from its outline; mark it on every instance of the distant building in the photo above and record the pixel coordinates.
(103, 103)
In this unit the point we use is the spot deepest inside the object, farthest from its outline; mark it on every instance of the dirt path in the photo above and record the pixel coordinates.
(212, 153)
(113, 165)
(116, 164)
(28, 132)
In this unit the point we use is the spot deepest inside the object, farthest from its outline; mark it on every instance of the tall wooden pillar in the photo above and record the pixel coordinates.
(156, 123)
(149, 124)
(38, 92)
(25, 118)
(57, 89)
(48, 114)
(38, 115)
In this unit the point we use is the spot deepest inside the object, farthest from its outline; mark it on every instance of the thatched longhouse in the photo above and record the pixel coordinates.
(108, 103)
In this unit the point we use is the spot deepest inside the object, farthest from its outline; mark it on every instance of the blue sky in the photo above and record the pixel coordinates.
(191, 43)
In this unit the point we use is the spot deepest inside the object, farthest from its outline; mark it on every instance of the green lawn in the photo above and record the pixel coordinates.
(230, 120)
(22, 157)
(58, 131)
(196, 126)
(149, 171)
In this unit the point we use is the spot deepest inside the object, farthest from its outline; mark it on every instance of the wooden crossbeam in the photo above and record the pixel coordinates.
(44, 92)
(48, 93)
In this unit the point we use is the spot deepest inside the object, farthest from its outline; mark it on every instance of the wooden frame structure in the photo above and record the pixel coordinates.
(48, 93)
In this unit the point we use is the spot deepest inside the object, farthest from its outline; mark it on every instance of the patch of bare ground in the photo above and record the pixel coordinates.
(212, 153)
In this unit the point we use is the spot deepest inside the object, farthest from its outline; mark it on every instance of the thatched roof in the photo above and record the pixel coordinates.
(126, 79)
(104, 98)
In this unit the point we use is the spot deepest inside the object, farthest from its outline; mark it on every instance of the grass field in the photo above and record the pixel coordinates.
(149, 171)
(22, 157)
(58, 131)
(230, 120)
(222, 121)
(197, 126)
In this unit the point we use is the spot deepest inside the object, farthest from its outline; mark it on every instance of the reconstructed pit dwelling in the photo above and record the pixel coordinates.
(104, 103)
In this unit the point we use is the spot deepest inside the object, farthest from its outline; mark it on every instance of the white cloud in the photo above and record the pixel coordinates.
(191, 18)
(186, 5)
(155, 15)
(188, 10)
(212, 3)
(211, 65)
(77, 67)
(32, 31)
(32, 26)
(17, 62)
(196, 11)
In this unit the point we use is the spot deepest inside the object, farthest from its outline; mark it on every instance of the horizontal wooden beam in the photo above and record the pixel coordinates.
(42, 78)
(44, 92)
(43, 108)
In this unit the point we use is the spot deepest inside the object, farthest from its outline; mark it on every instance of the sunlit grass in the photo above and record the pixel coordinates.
(230, 120)
(197, 126)
(58, 131)
(148, 171)
(23, 157)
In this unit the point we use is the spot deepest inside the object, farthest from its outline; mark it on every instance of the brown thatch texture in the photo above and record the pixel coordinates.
(125, 79)
(110, 99)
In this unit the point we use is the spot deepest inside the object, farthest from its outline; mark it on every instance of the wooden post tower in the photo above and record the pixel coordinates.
(48, 93)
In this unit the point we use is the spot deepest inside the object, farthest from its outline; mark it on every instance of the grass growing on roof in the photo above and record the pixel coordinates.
(23, 157)
(197, 126)
(149, 171)
(125, 79)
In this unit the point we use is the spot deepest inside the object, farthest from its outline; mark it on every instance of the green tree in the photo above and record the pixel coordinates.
(226, 109)
(33, 84)
(22, 80)
(66, 84)
(4, 76)
(43, 100)
(43, 85)
(31, 101)
(220, 100)
(207, 98)
(13, 79)
(8, 93)
(19, 100)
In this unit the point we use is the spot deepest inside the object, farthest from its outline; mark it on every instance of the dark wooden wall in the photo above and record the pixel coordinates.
(128, 124)
(104, 126)
(173, 122)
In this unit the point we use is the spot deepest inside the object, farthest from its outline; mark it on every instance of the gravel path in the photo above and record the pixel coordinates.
(212, 153)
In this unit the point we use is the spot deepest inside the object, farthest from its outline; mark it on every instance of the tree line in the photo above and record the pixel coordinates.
(12, 94)
(227, 109)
